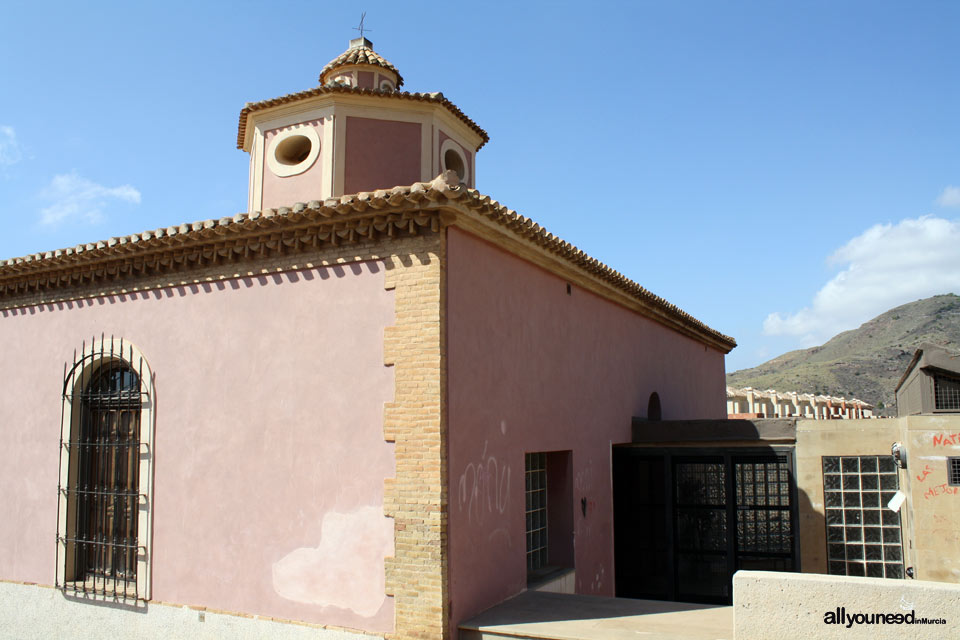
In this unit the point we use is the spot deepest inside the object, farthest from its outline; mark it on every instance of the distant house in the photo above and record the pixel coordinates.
(754, 403)
(931, 383)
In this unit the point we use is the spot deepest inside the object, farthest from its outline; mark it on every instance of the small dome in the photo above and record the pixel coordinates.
(360, 53)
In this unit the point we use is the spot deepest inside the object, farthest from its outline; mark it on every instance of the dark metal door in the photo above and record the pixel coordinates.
(686, 520)
(765, 536)
(702, 529)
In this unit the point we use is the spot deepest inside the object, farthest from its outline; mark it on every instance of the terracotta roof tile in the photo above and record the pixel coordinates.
(444, 190)
(359, 55)
(436, 98)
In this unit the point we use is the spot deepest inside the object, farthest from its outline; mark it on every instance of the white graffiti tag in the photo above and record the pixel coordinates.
(484, 487)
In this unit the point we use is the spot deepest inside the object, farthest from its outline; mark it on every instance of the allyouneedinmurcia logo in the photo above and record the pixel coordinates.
(840, 616)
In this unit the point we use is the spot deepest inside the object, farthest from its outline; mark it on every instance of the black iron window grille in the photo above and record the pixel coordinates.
(99, 546)
(946, 393)
(953, 472)
(536, 510)
(863, 534)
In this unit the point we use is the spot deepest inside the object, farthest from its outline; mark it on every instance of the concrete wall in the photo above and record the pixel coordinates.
(532, 368)
(788, 605)
(268, 389)
(913, 395)
(31, 612)
(935, 505)
(930, 517)
(818, 438)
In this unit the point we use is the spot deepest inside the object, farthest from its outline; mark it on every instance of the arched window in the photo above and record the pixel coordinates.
(653, 407)
(104, 471)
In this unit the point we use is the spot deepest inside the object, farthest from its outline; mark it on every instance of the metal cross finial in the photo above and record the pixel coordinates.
(361, 28)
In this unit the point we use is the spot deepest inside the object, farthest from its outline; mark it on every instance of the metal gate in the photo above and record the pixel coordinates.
(685, 521)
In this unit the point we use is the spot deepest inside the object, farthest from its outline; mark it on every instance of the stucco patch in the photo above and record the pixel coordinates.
(345, 569)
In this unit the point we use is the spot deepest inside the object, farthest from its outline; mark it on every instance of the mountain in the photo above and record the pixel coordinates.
(866, 362)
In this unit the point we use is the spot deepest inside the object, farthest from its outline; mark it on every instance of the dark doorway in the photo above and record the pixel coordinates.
(685, 520)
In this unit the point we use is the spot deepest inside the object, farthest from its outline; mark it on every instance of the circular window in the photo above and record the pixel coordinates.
(293, 151)
(452, 159)
(386, 85)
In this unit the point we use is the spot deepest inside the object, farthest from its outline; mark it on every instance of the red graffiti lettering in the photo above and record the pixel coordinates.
(945, 439)
(923, 474)
(940, 490)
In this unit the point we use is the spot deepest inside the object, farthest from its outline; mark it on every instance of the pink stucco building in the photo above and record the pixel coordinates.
(365, 408)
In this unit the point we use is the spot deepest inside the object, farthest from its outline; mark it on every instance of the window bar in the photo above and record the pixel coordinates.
(100, 485)
(136, 467)
(117, 474)
(114, 422)
(99, 497)
(110, 478)
(60, 494)
(79, 516)
(82, 517)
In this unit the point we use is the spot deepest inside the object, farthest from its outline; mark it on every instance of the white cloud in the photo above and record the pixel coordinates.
(9, 148)
(73, 197)
(886, 266)
(950, 197)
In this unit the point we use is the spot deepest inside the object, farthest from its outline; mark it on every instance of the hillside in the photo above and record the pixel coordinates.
(866, 362)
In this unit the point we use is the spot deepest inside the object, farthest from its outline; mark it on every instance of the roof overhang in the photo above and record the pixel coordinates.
(319, 94)
(402, 210)
(933, 358)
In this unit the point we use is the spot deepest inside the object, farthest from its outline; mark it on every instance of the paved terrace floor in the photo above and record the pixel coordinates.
(556, 616)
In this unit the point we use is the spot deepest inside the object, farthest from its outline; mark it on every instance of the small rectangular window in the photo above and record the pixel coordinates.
(536, 512)
(953, 472)
(946, 393)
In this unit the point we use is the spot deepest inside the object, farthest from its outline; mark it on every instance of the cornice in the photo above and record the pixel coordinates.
(385, 213)
(118, 263)
(432, 98)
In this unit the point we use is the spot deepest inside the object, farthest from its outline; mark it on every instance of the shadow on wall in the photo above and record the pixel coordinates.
(281, 278)
(812, 557)
(132, 606)
(537, 606)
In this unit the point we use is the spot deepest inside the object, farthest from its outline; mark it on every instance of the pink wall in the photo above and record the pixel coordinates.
(532, 369)
(287, 191)
(270, 457)
(381, 154)
(365, 79)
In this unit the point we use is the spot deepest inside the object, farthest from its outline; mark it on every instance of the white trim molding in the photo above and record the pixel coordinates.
(283, 169)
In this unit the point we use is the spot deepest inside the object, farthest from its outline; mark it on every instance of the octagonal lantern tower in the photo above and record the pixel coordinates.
(355, 132)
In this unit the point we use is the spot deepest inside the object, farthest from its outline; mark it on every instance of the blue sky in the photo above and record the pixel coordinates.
(782, 171)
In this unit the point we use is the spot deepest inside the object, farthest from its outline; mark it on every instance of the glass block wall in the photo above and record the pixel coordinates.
(863, 535)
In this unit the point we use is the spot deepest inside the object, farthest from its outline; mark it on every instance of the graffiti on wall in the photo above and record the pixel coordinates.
(940, 490)
(484, 487)
(946, 439)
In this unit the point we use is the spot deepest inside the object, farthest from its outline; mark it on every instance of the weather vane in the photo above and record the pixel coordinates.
(361, 28)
